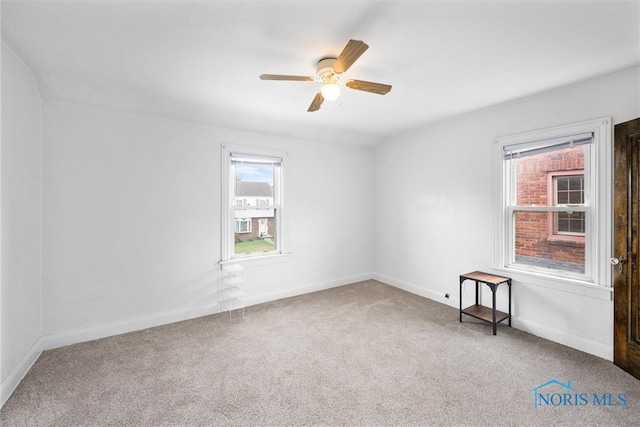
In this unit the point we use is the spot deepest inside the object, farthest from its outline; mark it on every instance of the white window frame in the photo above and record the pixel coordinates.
(597, 200)
(228, 207)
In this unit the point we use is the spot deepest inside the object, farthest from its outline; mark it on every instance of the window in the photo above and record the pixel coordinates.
(568, 190)
(253, 213)
(243, 225)
(551, 205)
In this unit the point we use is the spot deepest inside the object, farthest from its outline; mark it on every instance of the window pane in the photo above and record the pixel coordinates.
(534, 247)
(563, 184)
(254, 183)
(575, 183)
(569, 189)
(255, 193)
(563, 224)
(570, 223)
(563, 197)
(260, 238)
(576, 197)
(531, 182)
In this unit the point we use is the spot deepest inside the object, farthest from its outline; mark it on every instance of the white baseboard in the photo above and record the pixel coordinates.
(301, 290)
(570, 340)
(453, 300)
(10, 383)
(562, 337)
(91, 333)
(75, 336)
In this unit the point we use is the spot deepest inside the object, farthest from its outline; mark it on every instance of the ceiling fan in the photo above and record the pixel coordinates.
(328, 72)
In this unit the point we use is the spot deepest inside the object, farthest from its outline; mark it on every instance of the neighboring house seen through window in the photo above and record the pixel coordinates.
(255, 180)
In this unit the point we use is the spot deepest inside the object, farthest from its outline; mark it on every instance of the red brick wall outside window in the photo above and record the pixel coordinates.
(536, 237)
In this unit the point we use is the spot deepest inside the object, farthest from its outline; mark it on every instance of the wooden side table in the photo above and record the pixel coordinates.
(481, 312)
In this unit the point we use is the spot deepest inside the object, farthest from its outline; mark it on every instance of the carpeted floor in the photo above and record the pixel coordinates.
(361, 354)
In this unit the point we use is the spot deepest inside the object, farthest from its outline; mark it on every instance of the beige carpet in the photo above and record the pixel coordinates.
(362, 354)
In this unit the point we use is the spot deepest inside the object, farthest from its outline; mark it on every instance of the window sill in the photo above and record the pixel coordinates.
(252, 261)
(556, 238)
(570, 285)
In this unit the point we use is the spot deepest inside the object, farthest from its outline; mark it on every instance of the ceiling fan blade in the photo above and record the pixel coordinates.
(316, 103)
(379, 88)
(349, 55)
(283, 77)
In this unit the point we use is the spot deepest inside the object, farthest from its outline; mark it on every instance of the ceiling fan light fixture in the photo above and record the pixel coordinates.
(330, 91)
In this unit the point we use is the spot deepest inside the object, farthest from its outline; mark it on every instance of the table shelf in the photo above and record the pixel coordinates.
(485, 313)
(479, 311)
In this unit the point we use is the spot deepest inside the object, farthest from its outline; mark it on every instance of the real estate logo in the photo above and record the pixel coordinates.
(556, 393)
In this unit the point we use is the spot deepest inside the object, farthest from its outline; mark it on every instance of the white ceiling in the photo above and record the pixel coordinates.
(200, 61)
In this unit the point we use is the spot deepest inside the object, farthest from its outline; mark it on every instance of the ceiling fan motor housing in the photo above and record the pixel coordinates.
(325, 68)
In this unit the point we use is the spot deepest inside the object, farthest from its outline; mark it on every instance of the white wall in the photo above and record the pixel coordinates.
(21, 221)
(433, 205)
(132, 220)
(123, 216)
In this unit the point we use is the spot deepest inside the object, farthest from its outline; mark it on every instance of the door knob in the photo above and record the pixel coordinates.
(618, 261)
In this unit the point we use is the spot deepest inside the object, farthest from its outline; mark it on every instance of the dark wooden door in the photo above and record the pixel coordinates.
(626, 247)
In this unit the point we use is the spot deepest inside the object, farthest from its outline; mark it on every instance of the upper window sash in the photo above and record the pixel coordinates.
(509, 185)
